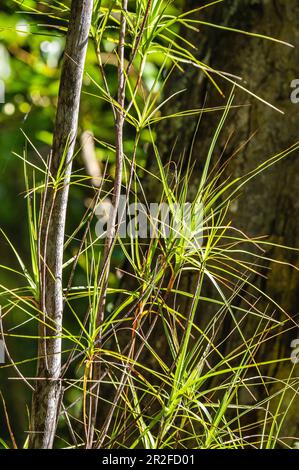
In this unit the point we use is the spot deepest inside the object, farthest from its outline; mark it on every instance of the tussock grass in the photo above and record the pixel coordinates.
(151, 361)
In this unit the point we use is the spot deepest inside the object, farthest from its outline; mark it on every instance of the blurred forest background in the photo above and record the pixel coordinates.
(30, 57)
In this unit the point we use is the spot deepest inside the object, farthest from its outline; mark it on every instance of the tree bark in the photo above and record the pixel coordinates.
(269, 203)
(46, 399)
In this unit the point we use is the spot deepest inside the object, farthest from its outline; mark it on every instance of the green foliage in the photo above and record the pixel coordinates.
(167, 381)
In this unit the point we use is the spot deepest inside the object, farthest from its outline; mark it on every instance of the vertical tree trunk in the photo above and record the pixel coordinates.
(269, 204)
(46, 399)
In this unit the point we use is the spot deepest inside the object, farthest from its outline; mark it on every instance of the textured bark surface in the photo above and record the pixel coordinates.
(47, 394)
(269, 205)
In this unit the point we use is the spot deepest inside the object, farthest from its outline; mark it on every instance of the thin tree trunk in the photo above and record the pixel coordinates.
(47, 396)
(112, 225)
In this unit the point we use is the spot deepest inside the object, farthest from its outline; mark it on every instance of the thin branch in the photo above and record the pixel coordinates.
(112, 225)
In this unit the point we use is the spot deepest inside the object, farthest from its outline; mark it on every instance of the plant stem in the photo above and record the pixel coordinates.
(112, 225)
(47, 397)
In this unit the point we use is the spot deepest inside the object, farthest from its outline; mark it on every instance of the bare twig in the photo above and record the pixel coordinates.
(91, 162)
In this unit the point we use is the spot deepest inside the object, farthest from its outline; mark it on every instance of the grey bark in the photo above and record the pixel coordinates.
(47, 396)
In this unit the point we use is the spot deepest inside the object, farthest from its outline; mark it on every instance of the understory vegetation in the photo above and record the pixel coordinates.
(149, 332)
